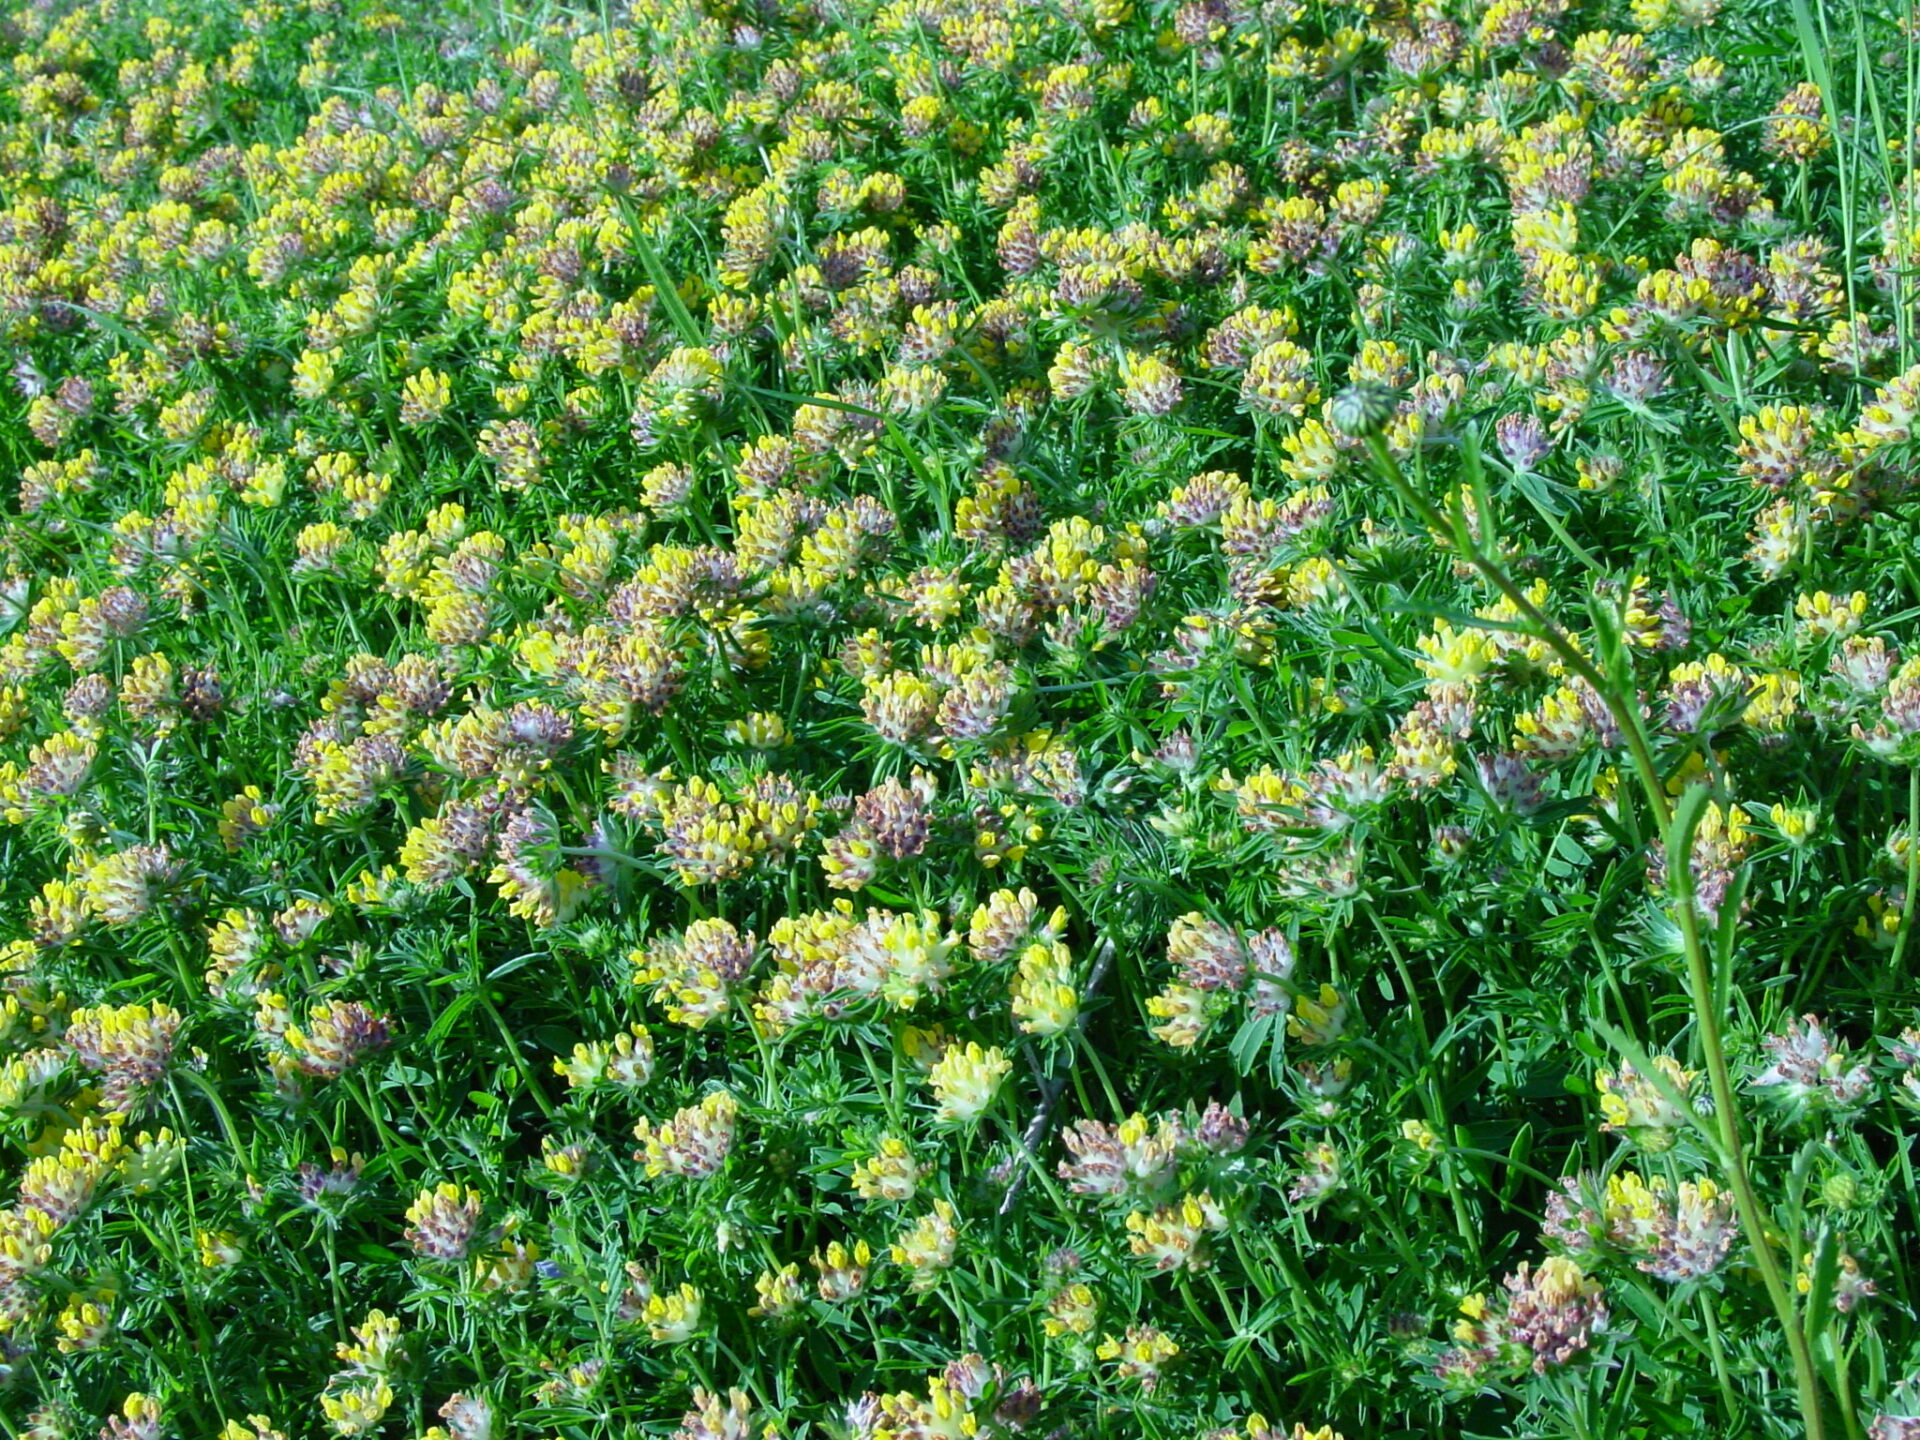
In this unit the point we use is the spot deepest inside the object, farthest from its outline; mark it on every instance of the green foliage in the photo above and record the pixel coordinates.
(932, 720)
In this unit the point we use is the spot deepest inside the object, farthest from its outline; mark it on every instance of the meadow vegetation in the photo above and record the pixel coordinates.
(921, 719)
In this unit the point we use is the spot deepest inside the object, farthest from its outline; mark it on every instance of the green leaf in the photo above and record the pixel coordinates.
(666, 292)
(1818, 1307)
(518, 962)
(1517, 1156)
(444, 1023)
(1250, 1040)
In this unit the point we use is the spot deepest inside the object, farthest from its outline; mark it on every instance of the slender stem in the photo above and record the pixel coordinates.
(391, 1143)
(1185, 1286)
(749, 1375)
(1843, 1387)
(527, 1079)
(1727, 1397)
(206, 1088)
(1700, 990)
(1913, 869)
(333, 1275)
(1626, 713)
(1431, 1082)
(1050, 1088)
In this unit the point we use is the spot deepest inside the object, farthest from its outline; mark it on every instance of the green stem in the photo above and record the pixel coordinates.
(513, 1049)
(391, 1143)
(1700, 989)
(206, 1088)
(1913, 869)
(1843, 1388)
(1430, 1090)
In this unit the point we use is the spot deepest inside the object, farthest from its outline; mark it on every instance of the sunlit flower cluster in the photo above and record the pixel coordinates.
(935, 719)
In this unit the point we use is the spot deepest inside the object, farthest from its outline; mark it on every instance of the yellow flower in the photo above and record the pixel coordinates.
(1419, 1134)
(218, 1248)
(1318, 1019)
(357, 1409)
(1142, 1354)
(1450, 655)
(85, 1321)
(927, 1246)
(1796, 824)
(890, 1174)
(781, 1294)
(424, 398)
(1071, 1310)
(1172, 1237)
(1637, 1105)
(965, 1081)
(1187, 1013)
(1045, 1001)
(843, 1272)
(1831, 616)
(673, 1318)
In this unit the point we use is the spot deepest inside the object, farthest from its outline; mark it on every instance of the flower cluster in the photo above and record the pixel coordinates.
(722, 696)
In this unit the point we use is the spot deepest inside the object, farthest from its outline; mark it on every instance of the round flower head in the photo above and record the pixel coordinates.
(1361, 410)
(965, 1081)
(1646, 1110)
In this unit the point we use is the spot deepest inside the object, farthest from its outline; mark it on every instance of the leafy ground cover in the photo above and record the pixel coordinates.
(915, 719)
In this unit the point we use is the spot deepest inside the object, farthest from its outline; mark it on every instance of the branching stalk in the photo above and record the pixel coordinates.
(1700, 992)
(1034, 1136)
